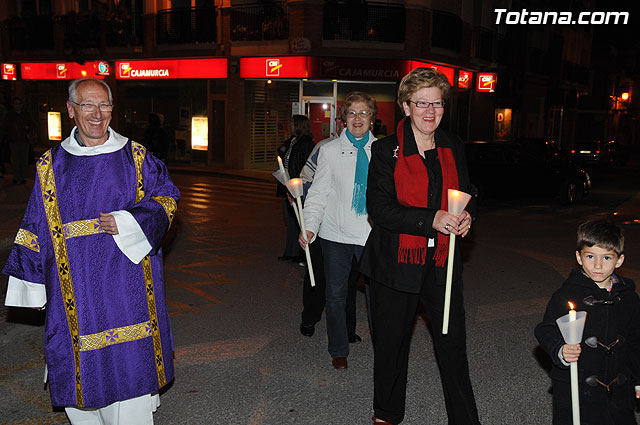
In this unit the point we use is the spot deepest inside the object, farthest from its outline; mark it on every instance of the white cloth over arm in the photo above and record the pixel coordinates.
(130, 238)
(21, 293)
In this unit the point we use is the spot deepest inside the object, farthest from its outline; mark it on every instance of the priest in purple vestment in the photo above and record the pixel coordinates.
(89, 252)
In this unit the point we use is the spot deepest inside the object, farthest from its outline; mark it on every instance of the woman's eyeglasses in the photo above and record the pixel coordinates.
(361, 114)
(423, 104)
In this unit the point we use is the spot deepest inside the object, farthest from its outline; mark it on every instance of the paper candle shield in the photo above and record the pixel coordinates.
(281, 176)
(295, 187)
(457, 201)
(572, 331)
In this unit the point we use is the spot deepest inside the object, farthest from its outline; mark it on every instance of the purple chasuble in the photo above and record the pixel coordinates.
(125, 346)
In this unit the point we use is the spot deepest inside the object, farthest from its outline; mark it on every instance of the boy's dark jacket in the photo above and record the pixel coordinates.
(610, 316)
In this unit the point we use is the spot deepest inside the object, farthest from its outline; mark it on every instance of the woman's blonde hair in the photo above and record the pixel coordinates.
(421, 78)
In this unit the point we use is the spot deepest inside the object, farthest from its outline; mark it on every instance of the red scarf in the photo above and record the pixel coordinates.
(411, 180)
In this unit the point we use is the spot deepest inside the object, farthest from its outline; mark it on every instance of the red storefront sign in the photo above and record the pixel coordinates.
(486, 82)
(171, 68)
(357, 69)
(58, 70)
(464, 79)
(9, 71)
(334, 68)
(274, 67)
(447, 71)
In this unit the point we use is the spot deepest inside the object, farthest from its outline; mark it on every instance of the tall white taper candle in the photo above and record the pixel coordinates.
(575, 394)
(306, 251)
(447, 291)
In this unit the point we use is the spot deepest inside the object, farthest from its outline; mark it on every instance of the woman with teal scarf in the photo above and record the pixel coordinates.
(336, 211)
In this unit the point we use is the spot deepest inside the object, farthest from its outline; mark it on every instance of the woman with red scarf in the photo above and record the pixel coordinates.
(406, 252)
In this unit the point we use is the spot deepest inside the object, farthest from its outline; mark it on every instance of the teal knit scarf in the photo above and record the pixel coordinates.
(359, 200)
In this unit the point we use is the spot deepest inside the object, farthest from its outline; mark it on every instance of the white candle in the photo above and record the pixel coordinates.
(280, 164)
(573, 368)
(448, 283)
(296, 190)
(457, 201)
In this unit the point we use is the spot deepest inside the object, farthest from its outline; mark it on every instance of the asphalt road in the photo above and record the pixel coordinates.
(235, 312)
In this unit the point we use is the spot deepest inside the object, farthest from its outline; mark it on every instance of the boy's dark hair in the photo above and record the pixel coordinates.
(602, 233)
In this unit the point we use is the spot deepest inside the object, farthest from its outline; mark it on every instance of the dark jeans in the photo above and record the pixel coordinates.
(338, 258)
(313, 299)
(393, 313)
(292, 248)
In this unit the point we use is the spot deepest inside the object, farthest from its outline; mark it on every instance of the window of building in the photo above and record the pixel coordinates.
(446, 31)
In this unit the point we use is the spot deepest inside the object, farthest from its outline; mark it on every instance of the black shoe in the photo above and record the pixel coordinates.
(355, 338)
(307, 330)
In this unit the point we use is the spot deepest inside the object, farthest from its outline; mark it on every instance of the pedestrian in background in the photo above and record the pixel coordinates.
(336, 211)
(20, 132)
(313, 298)
(89, 252)
(155, 137)
(294, 153)
(406, 253)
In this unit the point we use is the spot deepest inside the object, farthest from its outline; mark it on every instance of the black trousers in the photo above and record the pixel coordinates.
(292, 248)
(313, 299)
(393, 313)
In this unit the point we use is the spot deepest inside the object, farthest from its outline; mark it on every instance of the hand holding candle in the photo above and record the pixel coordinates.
(457, 202)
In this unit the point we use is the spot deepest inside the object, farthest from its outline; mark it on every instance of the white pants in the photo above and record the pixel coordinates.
(135, 411)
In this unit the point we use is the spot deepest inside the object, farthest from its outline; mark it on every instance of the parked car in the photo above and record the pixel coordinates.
(510, 170)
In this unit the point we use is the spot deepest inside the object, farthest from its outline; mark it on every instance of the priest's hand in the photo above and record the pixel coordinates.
(108, 223)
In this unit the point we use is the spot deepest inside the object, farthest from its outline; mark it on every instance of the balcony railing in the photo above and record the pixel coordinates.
(260, 22)
(83, 30)
(364, 22)
(34, 33)
(188, 25)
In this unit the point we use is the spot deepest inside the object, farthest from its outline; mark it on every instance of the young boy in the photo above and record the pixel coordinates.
(609, 355)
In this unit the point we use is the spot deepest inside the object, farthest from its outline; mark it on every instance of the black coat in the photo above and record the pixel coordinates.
(298, 157)
(380, 257)
(619, 319)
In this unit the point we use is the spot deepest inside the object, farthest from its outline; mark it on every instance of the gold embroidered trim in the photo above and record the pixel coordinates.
(153, 315)
(139, 153)
(82, 228)
(50, 201)
(27, 239)
(119, 335)
(169, 204)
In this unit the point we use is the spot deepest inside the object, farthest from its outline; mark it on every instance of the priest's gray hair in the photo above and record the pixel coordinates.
(73, 88)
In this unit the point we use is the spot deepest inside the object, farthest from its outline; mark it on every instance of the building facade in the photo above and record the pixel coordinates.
(228, 74)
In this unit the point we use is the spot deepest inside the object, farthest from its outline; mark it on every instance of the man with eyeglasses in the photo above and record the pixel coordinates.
(89, 253)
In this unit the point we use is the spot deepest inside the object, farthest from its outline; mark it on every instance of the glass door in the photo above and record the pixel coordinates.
(321, 112)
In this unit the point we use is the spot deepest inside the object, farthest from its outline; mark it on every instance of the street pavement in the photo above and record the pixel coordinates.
(235, 312)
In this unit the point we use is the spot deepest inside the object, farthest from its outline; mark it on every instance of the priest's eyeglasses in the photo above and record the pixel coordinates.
(423, 104)
(90, 107)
